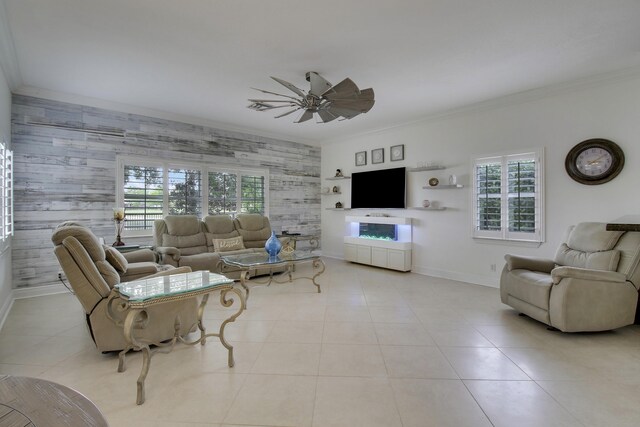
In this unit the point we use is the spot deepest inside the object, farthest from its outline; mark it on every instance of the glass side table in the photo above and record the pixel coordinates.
(137, 296)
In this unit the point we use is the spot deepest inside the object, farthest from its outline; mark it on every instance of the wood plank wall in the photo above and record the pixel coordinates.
(65, 169)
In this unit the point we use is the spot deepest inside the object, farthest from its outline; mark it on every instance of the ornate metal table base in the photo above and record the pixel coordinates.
(317, 264)
(137, 318)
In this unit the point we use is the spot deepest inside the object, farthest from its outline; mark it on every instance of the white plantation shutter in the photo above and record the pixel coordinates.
(508, 197)
(6, 192)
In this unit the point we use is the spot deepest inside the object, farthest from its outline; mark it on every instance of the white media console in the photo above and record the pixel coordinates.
(392, 254)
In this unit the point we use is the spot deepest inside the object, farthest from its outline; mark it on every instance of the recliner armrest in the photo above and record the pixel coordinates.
(518, 262)
(169, 251)
(559, 273)
(140, 255)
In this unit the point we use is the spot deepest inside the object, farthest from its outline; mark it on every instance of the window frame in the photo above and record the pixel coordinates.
(6, 194)
(538, 236)
(204, 169)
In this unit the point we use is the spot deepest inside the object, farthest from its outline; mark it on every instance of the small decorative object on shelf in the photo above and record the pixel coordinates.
(453, 180)
(339, 173)
(338, 205)
(426, 203)
(273, 245)
(326, 190)
(433, 182)
(118, 217)
(335, 189)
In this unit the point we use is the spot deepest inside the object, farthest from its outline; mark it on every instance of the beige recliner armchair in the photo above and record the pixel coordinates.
(92, 274)
(591, 285)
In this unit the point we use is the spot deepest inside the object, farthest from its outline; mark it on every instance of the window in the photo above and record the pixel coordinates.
(508, 197)
(152, 189)
(6, 192)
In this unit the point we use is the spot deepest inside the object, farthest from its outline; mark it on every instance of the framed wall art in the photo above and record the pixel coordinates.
(377, 156)
(361, 158)
(397, 153)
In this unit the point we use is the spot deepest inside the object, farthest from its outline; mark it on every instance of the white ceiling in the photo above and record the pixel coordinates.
(199, 58)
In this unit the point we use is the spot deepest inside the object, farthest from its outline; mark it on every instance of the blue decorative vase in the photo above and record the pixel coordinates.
(273, 245)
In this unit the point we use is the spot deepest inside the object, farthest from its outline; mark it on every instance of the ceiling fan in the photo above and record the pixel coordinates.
(342, 101)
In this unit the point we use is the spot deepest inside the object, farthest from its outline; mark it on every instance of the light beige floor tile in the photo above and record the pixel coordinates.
(249, 330)
(22, 370)
(402, 334)
(274, 400)
(352, 360)
(12, 347)
(437, 403)
(416, 362)
(509, 336)
(519, 403)
(306, 312)
(598, 403)
(349, 333)
(57, 349)
(482, 364)
(347, 313)
(548, 364)
(401, 314)
(294, 331)
(378, 298)
(438, 316)
(353, 299)
(457, 336)
(355, 402)
(260, 312)
(288, 359)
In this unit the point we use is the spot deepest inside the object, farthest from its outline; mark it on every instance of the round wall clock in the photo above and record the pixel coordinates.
(594, 161)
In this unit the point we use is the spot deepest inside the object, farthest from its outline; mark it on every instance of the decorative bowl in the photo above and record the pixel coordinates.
(433, 182)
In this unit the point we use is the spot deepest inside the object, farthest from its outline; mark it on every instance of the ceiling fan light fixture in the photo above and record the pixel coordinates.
(324, 101)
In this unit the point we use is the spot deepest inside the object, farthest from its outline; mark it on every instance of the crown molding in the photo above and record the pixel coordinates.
(150, 112)
(8, 57)
(508, 100)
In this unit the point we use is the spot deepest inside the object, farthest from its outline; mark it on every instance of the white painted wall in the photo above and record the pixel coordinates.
(5, 255)
(443, 245)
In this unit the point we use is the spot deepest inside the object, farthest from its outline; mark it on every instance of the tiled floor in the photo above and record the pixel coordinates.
(375, 348)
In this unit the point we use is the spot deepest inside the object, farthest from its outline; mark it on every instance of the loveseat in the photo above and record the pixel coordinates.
(184, 240)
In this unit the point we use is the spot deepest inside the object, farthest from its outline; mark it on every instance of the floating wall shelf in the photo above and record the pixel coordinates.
(336, 178)
(442, 187)
(426, 168)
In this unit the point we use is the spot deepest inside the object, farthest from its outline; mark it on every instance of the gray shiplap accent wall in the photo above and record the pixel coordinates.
(65, 169)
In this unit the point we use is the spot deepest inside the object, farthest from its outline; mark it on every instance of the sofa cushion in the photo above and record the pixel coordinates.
(138, 270)
(531, 286)
(251, 222)
(116, 259)
(188, 245)
(604, 260)
(182, 225)
(592, 237)
(226, 245)
(219, 224)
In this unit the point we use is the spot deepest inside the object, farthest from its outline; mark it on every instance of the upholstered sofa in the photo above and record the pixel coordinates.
(184, 240)
(93, 270)
(591, 284)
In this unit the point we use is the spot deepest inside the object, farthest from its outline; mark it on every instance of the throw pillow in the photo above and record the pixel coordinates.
(226, 245)
(116, 259)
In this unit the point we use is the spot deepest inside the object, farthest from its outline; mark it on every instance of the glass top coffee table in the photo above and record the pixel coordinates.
(137, 296)
(247, 263)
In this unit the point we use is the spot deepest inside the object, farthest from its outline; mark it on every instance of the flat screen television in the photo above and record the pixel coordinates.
(379, 189)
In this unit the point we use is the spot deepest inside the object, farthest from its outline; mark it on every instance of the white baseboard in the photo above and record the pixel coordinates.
(39, 291)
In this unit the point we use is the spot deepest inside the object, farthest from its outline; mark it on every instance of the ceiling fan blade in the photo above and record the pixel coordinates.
(326, 116)
(273, 93)
(345, 89)
(289, 86)
(287, 113)
(318, 84)
(360, 105)
(347, 113)
(258, 106)
(307, 115)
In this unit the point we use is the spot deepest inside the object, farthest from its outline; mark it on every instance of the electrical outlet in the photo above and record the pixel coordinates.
(492, 267)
